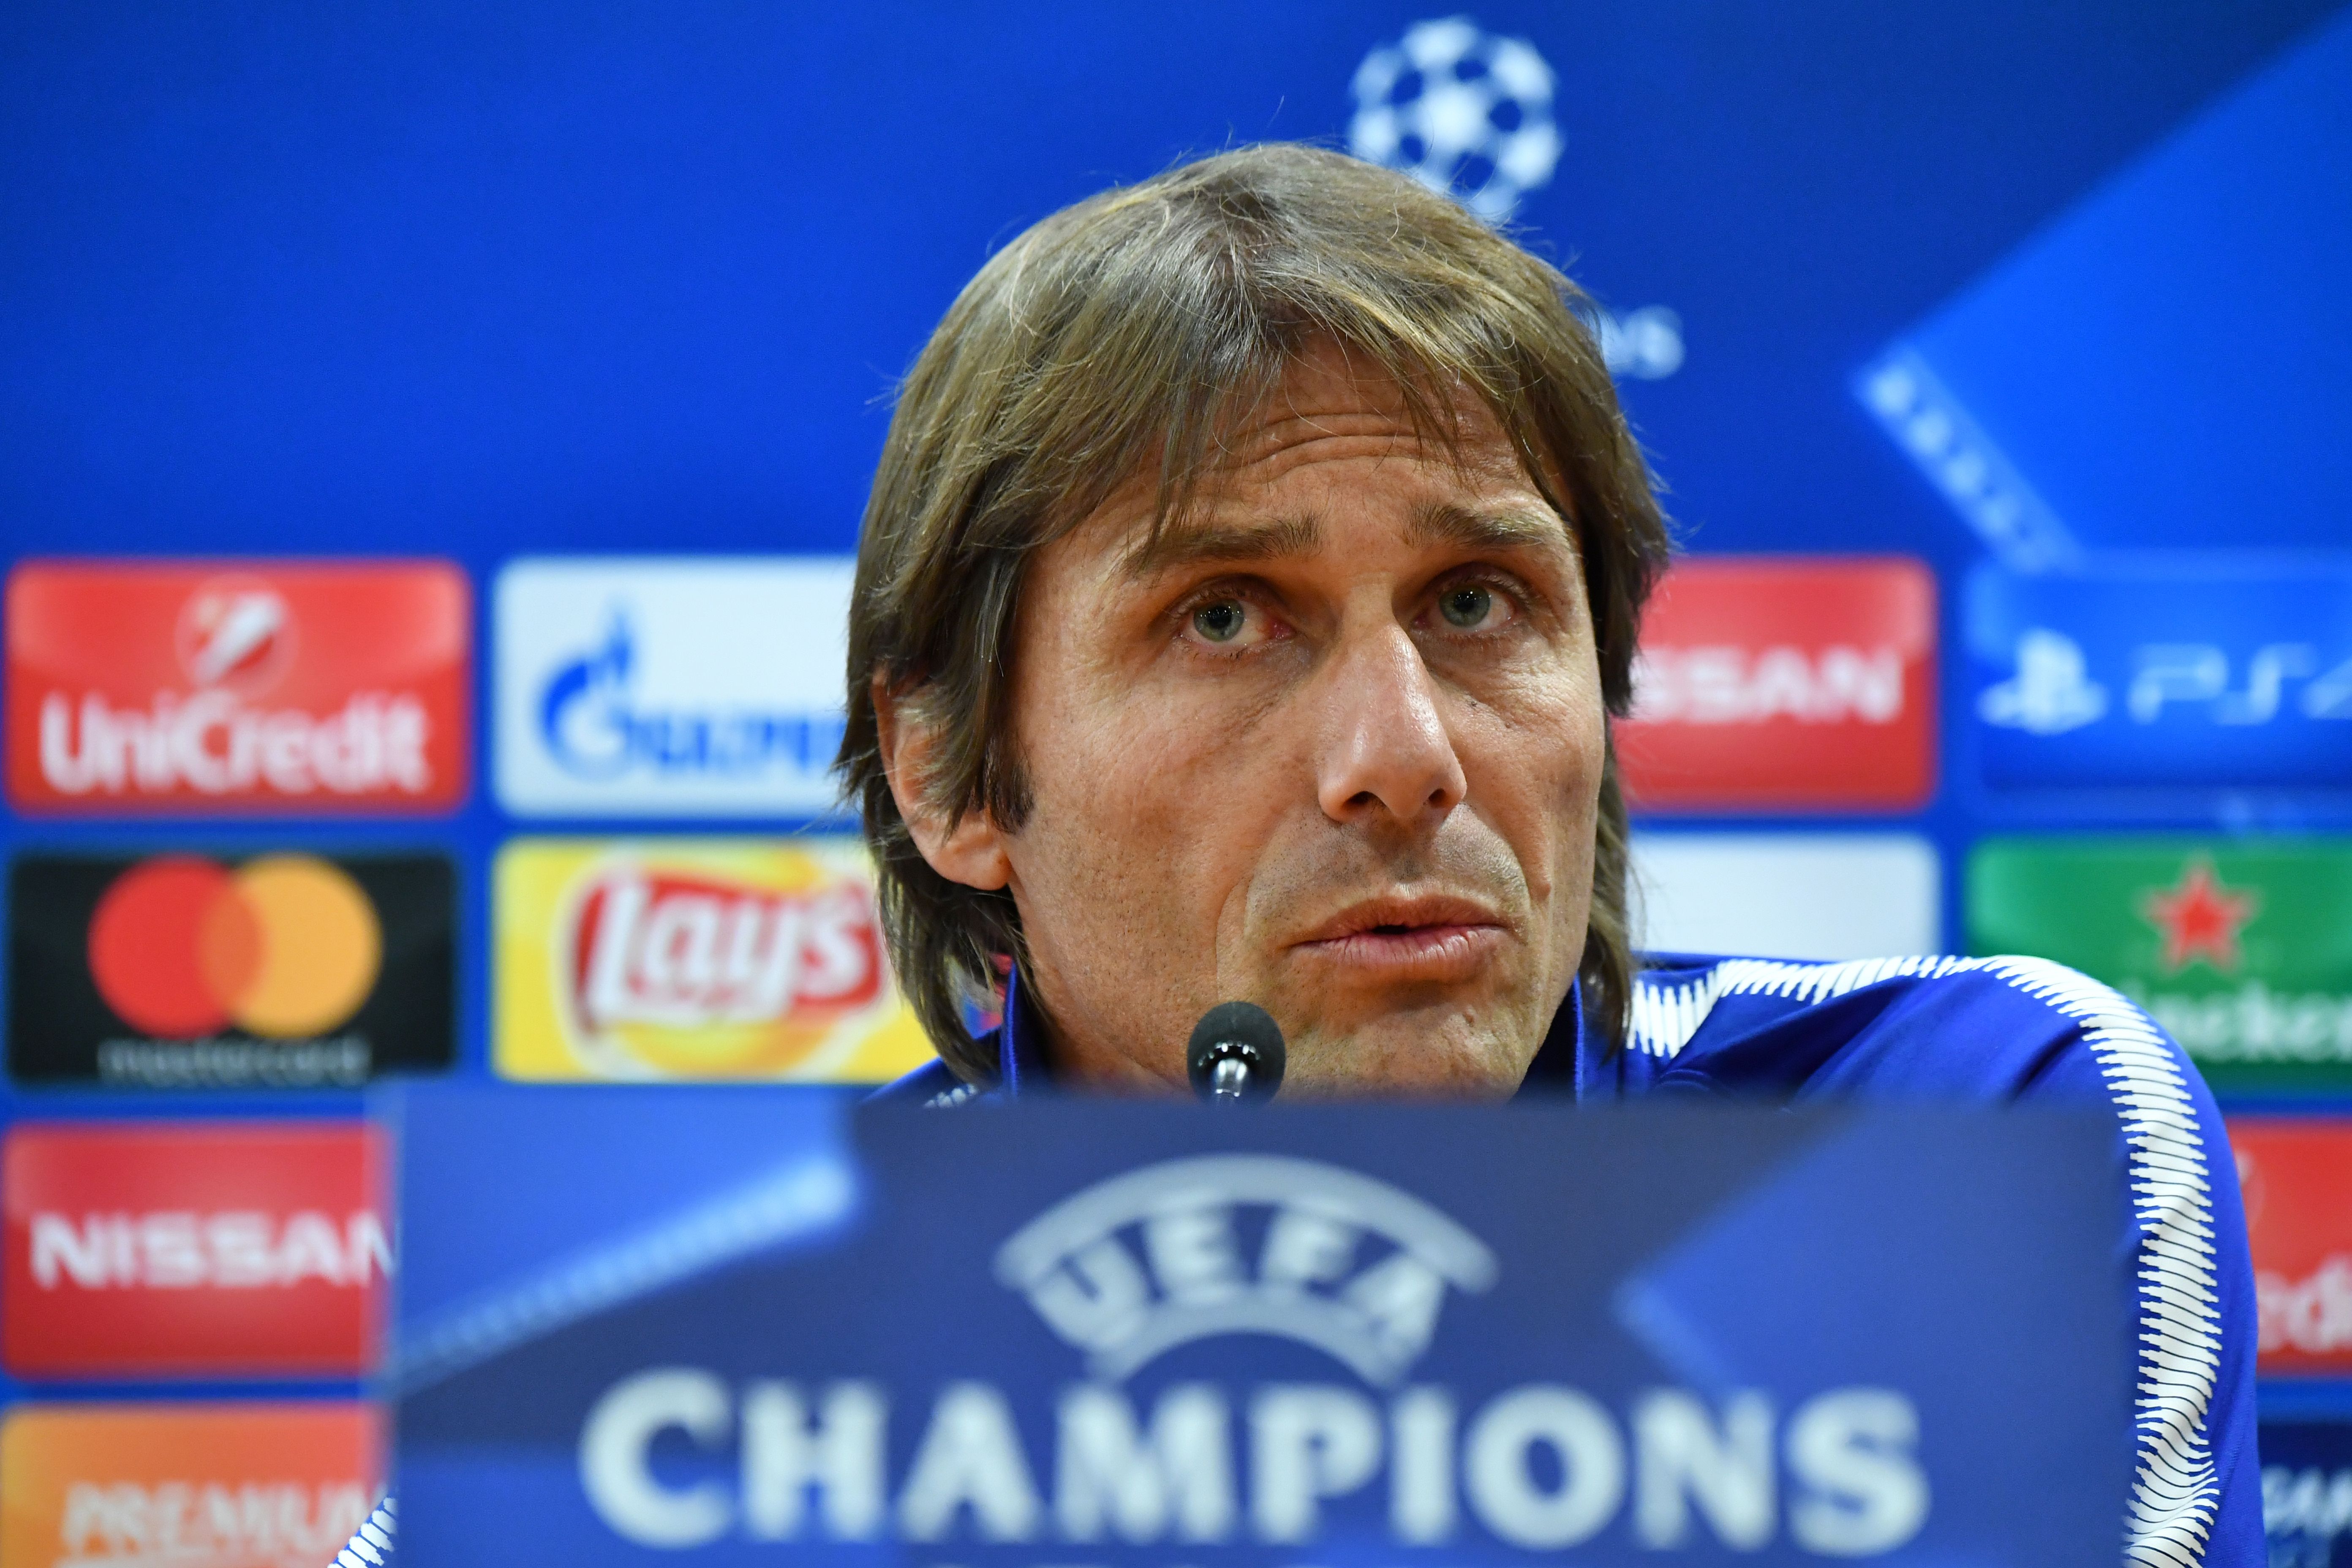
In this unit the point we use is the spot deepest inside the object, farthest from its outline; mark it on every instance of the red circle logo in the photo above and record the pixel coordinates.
(285, 945)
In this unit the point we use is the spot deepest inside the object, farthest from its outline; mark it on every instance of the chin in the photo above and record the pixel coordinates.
(1407, 1060)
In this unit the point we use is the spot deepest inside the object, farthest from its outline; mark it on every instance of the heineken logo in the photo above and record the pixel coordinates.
(2200, 918)
(2241, 947)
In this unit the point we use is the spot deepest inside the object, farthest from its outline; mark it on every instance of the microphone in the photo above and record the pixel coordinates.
(1236, 1054)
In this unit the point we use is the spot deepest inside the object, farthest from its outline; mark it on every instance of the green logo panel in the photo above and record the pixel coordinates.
(2241, 947)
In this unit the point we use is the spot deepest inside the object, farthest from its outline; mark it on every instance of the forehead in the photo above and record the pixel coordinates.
(1335, 404)
(1336, 413)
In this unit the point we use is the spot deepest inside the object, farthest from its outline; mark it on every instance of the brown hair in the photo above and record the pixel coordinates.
(1126, 334)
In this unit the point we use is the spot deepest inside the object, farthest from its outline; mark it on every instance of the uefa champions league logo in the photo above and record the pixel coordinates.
(1460, 111)
(1136, 1266)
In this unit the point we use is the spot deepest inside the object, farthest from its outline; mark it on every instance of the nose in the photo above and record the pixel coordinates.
(1385, 749)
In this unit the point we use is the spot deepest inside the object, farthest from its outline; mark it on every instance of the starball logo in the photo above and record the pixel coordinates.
(1197, 1250)
(273, 686)
(1133, 1269)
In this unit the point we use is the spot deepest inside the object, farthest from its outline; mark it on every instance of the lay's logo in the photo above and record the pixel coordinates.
(2292, 1170)
(696, 959)
(685, 952)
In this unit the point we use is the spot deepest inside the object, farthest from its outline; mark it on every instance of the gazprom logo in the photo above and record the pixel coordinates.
(671, 686)
(1235, 1244)
(593, 727)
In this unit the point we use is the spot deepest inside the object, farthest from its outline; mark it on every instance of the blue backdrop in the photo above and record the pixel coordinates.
(477, 281)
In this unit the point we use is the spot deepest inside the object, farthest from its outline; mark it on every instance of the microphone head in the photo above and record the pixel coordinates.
(1236, 1054)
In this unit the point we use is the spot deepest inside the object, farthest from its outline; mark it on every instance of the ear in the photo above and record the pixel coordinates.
(972, 851)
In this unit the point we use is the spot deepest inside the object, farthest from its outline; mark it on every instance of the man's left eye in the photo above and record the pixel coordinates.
(1467, 606)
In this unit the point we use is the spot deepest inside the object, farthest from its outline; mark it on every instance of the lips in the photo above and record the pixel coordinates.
(1427, 937)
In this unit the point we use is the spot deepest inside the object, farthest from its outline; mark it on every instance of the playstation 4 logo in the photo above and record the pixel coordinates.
(2197, 679)
(2052, 691)
(670, 686)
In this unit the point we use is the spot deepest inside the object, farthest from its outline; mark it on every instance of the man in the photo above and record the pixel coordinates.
(1252, 570)
(1252, 566)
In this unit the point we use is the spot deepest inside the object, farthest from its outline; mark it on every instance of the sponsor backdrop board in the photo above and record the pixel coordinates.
(2162, 681)
(2296, 1174)
(730, 958)
(249, 1485)
(268, 484)
(2042, 370)
(1785, 685)
(188, 971)
(229, 686)
(145, 1249)
(668, 686)
(1787, 895)
(2307, 1493)
(2242, 947)
(1347, 1341)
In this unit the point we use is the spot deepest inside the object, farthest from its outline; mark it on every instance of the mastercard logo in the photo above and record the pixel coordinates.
(282, 945)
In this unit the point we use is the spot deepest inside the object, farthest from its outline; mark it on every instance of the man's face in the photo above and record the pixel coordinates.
(1334, 746)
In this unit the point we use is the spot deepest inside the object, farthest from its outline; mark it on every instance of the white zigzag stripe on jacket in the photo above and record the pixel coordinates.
(2175, 1490)
(372, 1546)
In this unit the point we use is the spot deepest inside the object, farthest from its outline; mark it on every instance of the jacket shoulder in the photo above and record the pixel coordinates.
(931, 1086)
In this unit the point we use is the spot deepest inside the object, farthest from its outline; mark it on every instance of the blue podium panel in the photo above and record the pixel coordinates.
(2163, 681)
(1091, 1332)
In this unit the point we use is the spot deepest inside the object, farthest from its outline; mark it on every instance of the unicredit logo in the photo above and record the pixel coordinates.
(336, 688)
(283, 946)
(235, 633)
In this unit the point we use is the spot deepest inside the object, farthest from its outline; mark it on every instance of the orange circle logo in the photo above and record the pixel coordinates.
(285, 945)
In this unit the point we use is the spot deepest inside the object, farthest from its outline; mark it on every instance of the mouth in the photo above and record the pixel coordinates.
(1427, 938)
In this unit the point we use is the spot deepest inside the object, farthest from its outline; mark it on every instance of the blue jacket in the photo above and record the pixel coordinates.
(1990, 1031)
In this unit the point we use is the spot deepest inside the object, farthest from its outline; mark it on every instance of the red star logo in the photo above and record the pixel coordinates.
(2200, 919)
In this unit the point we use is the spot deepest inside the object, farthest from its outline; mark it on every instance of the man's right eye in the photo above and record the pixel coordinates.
(1220, 622)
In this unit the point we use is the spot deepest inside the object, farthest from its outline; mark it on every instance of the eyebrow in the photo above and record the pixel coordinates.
(1443, 522)
(1185, 547)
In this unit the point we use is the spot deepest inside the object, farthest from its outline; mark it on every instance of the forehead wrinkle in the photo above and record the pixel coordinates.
(1184, 545)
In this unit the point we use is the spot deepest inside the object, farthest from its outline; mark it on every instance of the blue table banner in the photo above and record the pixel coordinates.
(1076, 1333)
